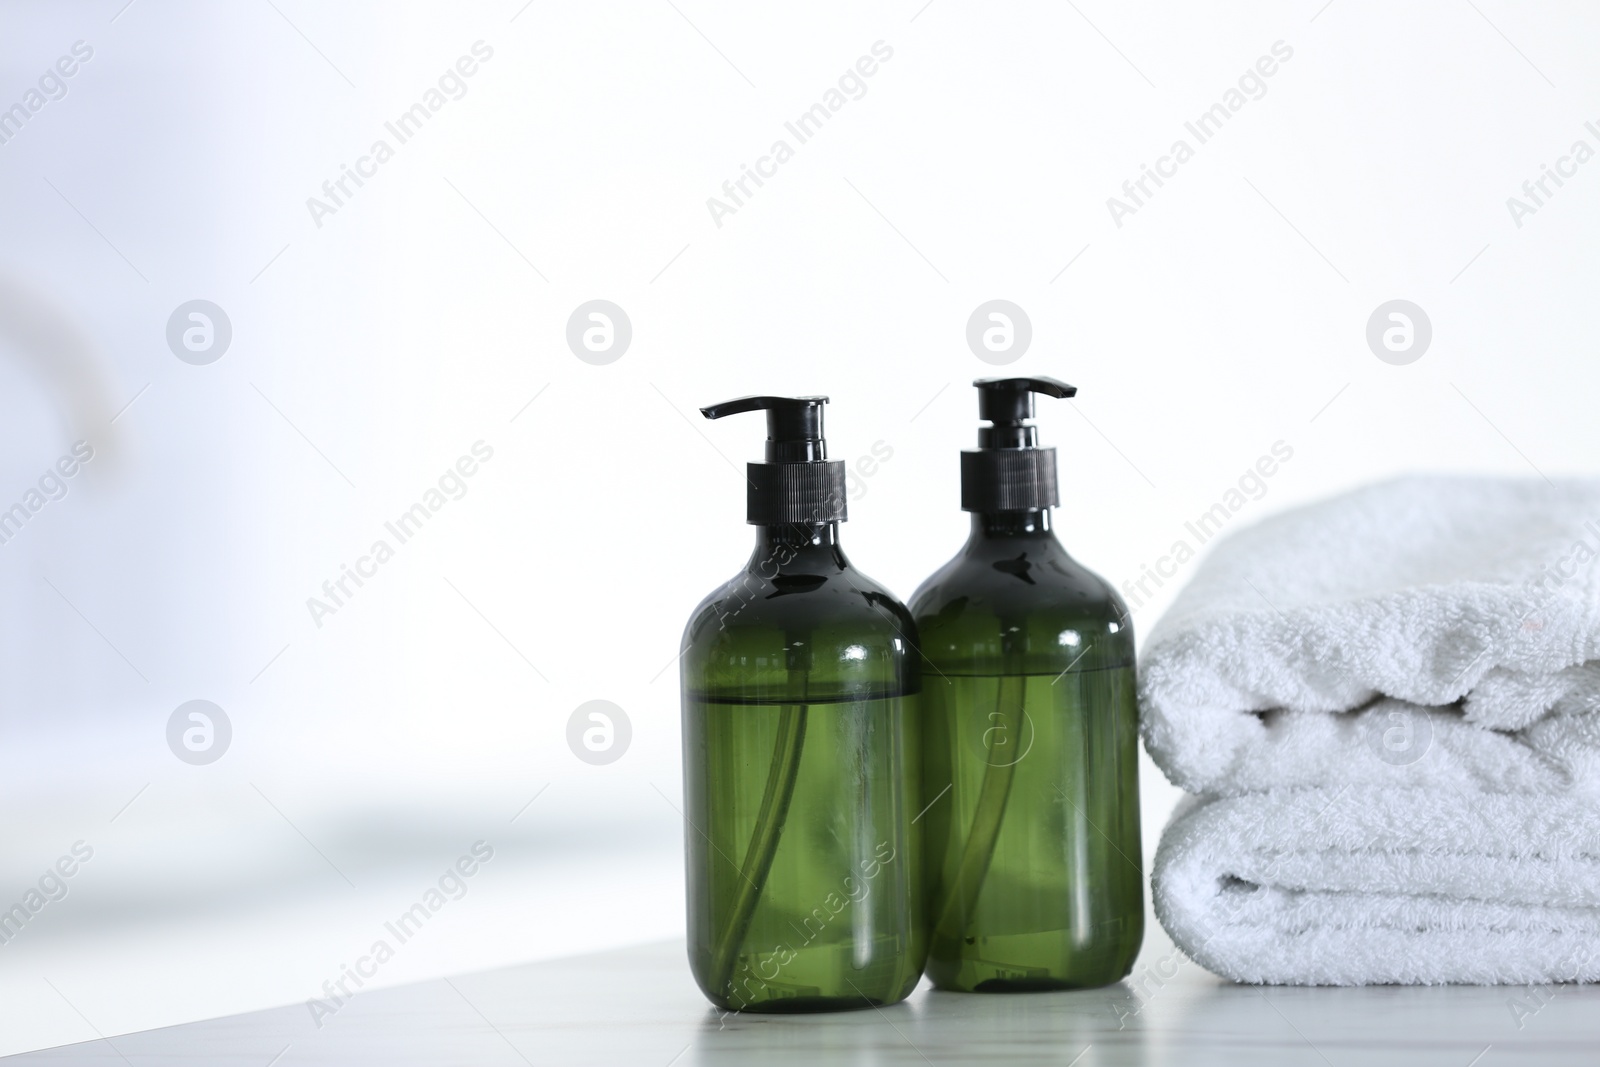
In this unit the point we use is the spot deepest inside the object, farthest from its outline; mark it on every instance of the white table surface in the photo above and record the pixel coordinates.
(639, 1006)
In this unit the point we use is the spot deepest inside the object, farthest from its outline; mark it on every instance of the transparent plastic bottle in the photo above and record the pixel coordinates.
(801, 756)
(1031, 742)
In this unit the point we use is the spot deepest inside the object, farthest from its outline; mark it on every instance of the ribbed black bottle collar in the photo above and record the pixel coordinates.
(1009, 479)
(807, 493)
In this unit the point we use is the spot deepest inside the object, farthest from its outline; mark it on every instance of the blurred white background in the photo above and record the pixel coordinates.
(429, 312)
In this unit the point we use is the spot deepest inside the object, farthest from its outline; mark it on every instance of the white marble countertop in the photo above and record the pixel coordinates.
(639, 1007)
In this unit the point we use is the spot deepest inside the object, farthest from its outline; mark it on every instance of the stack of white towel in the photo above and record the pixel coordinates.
(1388, 707)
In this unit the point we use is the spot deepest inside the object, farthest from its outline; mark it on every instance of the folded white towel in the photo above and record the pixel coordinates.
(1399, 690)
(1426, 590)
(1380, 886)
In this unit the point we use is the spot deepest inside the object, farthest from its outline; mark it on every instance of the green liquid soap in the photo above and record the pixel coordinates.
(802, 883)
(1034, 862)
(802, 755)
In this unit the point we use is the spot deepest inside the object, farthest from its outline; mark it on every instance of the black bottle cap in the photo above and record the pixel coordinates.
(1009, 471)
(797, 483)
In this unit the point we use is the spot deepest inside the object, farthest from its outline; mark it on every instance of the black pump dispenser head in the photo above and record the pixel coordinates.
(797, 483)
(1009, 471)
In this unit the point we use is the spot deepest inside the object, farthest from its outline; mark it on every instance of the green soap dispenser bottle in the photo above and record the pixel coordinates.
(801, 754)
(1031, 742)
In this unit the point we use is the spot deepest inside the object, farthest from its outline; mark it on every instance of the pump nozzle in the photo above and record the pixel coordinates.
(794, 424)
(1009, 471)
(1008, 403)
(797, 483)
